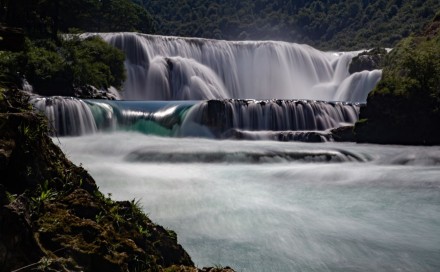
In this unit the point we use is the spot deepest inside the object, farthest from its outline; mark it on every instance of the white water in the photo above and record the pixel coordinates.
(174, 68)
(278, 115)
(66, 115)
(212, 119)
(271, 206)
(256, 206)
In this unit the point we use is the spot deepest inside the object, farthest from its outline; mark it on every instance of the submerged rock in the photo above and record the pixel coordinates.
(281, 136)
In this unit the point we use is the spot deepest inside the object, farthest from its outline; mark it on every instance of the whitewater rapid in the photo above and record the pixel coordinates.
(177, 68)
(256, 90)
(210, 119)
(272, 206)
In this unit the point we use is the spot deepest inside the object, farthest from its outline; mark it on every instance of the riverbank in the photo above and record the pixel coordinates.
(53, 216)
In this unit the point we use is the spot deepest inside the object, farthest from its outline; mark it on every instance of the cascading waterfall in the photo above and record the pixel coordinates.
(231, 75)
(67, 116)
(220, 116)
(213, 118)
(174, 68)
(73, 117)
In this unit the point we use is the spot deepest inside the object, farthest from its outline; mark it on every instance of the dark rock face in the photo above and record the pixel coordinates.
(391, 119)
(52, 216)
(218, 116)
(91, 92)
(17, 244)
(343, 134)
(281, 136)
(368, 60)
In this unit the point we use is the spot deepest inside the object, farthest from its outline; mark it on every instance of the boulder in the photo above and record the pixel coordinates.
(343, 134)
(368, 60)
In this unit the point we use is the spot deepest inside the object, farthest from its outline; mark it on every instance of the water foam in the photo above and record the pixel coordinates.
(173, 68)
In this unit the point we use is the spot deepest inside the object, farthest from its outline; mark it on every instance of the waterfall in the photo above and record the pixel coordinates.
(213, 118)
(67, 116)
(174, 68)
(73, 117)
(220, 89)
(221, 116)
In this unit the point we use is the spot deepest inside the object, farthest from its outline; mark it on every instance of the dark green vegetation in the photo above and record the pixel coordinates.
(405, 106)
(334, 25)
(53, 217)
(42, 18)
(64, 67)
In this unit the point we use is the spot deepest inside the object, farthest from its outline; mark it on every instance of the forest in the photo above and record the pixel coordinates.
(325, 24)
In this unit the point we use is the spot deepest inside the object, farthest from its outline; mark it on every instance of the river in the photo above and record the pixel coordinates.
(278, 206)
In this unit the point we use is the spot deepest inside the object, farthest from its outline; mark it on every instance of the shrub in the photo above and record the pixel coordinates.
(57, 69)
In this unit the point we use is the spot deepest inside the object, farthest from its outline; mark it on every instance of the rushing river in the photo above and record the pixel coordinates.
(274, 206)
(255, 205)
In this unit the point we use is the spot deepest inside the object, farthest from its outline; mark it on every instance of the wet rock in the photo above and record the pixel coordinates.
(368, 60)
(18, 248)
(91, 92)
(282, 136)
(343, 134)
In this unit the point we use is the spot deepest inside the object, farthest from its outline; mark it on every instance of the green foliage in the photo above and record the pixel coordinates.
(94, 62)
(10, 66)
(59, 69)
(136, 206)
(405, 105)
(143, 231)
(11, 197)
(43, 194)
(413, 68)
(46, 18)
(322, 23)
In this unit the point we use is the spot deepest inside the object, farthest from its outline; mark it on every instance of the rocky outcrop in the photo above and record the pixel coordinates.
(404, 106)
(91, 92)
(53, 217)
(368, 60)
(343, 134)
